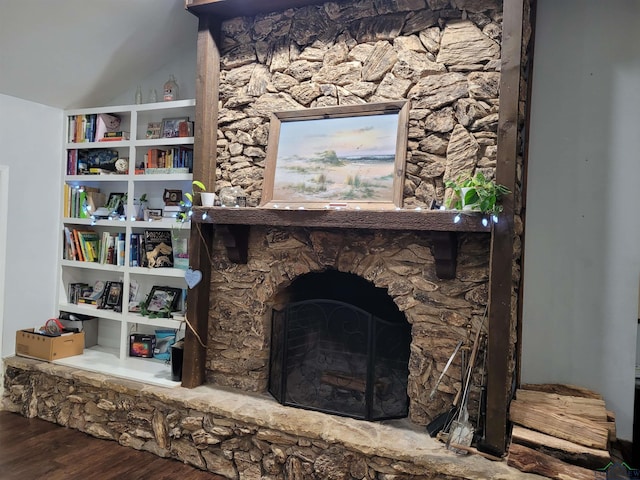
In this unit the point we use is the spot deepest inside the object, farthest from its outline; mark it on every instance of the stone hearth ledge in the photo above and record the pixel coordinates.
(395, 439)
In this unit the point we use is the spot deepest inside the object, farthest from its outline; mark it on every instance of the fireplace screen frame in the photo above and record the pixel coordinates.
(376, 395)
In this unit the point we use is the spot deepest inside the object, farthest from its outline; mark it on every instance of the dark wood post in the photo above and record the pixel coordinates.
(501, 311)
(204, 168)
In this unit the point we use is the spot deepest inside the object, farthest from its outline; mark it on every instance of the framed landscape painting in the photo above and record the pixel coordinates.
(350, 156)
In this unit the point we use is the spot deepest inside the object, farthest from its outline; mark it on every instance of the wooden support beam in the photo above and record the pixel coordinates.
(500, 351)
(204, 168)
(445, 253)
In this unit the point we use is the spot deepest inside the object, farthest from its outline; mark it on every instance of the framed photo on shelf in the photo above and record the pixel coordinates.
(154, 130)
(151, 214)
(344, 156)
(113, 296)
(115, 202)
(163, 299)
(172, 197)
(171, 126)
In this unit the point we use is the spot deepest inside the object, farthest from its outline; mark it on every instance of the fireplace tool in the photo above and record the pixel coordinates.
(461, 431)
(443, 420)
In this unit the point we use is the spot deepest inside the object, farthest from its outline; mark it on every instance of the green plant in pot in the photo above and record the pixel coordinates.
(476, 193)
(186, 213)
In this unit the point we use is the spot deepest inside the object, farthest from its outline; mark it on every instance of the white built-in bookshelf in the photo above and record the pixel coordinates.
(87, 165)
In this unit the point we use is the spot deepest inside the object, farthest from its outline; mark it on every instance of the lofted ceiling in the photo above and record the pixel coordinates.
(75, 53)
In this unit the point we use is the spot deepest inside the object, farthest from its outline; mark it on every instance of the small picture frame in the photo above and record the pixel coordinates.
(113, 296)
(163, 300)
(152, 214)
(115, 202)
(154, 130)
(171, 126)
(172, 197)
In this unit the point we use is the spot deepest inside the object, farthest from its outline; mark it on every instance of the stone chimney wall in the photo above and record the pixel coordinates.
(444, 57)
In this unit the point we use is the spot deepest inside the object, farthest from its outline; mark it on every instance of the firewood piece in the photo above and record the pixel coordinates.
(561, 389)
(564, 450)
(611, 428)
(341, 380)
(550, 420)
(531, 461)
(591, 408)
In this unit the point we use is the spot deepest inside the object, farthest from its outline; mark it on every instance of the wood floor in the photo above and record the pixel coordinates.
(36, 449)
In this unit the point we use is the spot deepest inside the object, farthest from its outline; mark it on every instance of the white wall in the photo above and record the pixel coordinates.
(183, 68)
(31, 139)
(582, 252)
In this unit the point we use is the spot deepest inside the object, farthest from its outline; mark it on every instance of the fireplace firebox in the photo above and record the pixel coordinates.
(334, 357)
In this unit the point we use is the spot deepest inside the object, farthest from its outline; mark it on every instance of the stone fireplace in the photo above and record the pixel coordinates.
(441, 56)
(390, 273)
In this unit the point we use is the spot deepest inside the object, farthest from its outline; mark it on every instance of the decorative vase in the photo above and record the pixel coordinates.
(207, 199)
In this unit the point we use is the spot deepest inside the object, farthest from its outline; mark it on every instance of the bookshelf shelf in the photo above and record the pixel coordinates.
(102, 360)
(89, 176)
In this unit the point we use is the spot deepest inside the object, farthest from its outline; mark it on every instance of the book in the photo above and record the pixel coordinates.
(158, 248)
(89, 244)
(167, 170)
(76, 241)
(110, 136)
(120, 249)
(70, 248)
(134, 260)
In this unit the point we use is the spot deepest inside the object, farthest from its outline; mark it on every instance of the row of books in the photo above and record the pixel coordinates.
(91, 127)
(106, 295)
(176, 157)
(81, 200)
(152, 248)
(90, 246)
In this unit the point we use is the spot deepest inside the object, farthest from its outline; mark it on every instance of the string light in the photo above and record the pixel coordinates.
(494, 218)
(457, 218)
(485, 221)
(204, 216)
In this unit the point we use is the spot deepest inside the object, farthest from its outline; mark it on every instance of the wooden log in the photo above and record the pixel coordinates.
(561, 389)
(611, 428)
(591, 408)
(564, 450)
(531, 461)
(341, 380)
(549, 420)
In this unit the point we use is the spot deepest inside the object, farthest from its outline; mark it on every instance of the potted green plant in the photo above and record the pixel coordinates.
(186, 213)
(476, 193)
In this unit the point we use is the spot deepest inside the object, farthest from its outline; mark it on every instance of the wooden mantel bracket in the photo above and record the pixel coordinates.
(236, 241)
(445, 253)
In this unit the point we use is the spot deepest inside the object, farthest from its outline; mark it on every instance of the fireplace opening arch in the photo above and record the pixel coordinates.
(340, 345)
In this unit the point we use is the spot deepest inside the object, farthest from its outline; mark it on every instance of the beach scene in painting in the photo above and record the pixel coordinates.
(336, 160)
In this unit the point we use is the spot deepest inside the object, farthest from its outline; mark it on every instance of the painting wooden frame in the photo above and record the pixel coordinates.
(337, 157)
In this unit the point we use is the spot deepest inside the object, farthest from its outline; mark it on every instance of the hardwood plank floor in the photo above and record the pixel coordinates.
(31, 448)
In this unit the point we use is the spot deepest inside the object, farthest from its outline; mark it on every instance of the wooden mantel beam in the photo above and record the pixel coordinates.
(224, 9)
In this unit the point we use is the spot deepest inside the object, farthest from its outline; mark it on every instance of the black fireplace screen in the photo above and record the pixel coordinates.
(337, 358)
